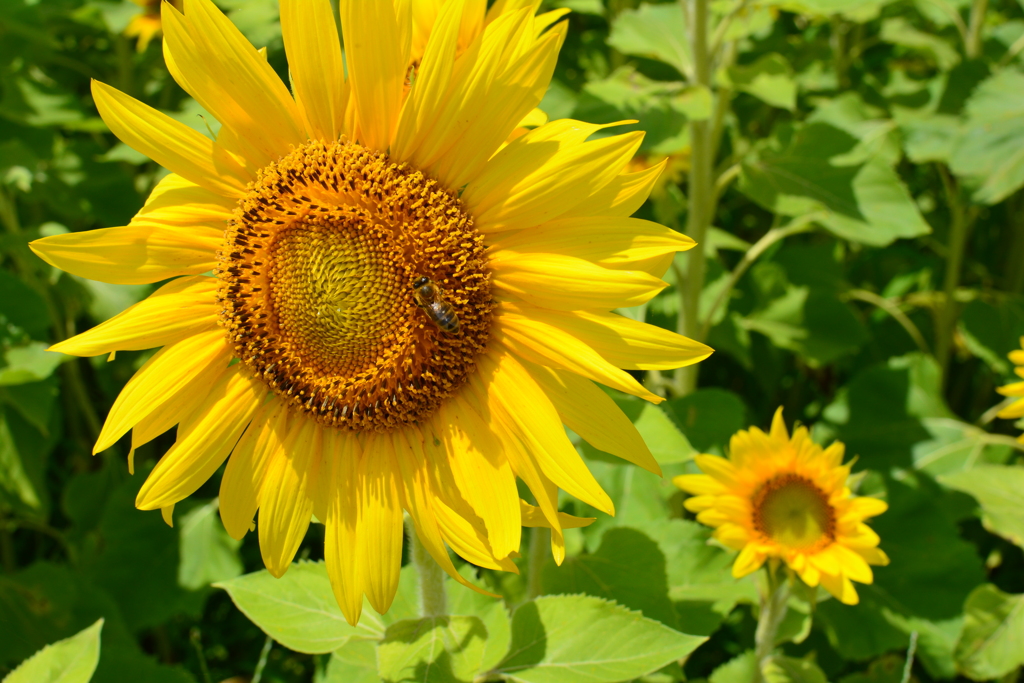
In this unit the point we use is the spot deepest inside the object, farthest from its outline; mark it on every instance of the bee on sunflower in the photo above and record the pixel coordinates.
(306, 362)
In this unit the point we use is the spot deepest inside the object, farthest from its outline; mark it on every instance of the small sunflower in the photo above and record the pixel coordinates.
(405, 306)
(1015, 389)
(786, 498)
(145, 25)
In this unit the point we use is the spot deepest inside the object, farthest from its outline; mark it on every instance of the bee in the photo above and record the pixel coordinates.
(441, 313)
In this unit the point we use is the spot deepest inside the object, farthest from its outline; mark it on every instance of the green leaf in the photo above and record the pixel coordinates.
(136, 562)
(887, 669)
(990, 151)
(15, 482)
(699, 575)
(561, 638)
(875, 133)
(790, 670)
(23, 306)
(299, 610)
(1000, 492)
(34, 401)
(628, 568)
(208, 554)
(708, 418)
(668, 445)
(741, 669)
(850, 9)
(72, 660)
(990, 643)
(653, 31)
(930, 137)
(770, 79)
(353, 662)
(432, 650)
(812, 323)
(954, 446)
(866, 203)
(29, 363)
(991, 332)
(899, 31)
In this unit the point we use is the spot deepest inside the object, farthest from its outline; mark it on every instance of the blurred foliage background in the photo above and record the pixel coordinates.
(853, 171)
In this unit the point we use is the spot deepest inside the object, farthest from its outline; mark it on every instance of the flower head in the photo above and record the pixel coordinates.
(1015, 389)
(787, 498)
(145, 25)
(406, 306)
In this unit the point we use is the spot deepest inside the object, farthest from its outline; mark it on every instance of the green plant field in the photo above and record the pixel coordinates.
(853, 172)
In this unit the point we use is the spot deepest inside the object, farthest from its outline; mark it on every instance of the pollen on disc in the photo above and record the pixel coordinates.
(316, 286)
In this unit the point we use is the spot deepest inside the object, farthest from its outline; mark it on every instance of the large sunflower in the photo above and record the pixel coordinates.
(405, 307)
(787, 498)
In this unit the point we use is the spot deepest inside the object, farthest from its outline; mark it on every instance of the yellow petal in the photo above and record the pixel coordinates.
(840, 588)
(699, 484)
(179, 308)
(419, 495)
(853, 564)
(376, 70)
(549, 346)
(247, 466)
(863, 507)
(177, 201)
(481, 472)
(214, 63)
(565, 283)
(534, 180)
(591, 413)
(531, 418)
(467, 540)
(343, 538)
(533, 517)
(423, 108)
(318, 73)
(164, 376)
(206, 442)
(621, 197)
(513, 94)
(523, 462)
(619, 243)
(132, 255)
(748, 561)
(623, 342)
(285, 503)
(380, 522)
(169, 143)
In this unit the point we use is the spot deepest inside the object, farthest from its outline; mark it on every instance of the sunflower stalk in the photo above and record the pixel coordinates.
(433, 599)
(700, 193)
(773, 610)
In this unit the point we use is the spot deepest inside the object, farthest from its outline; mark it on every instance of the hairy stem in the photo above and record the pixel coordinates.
(701, 197)
(973, 44)
(433, 601)
(773, 611)
(539, 541)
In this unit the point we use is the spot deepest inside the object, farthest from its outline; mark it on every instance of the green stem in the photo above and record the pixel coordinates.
(974, 43)
(433, 601)
(539, 542)
(257, 675)
(773, 611)
(701, 198)
(802, 224)
(958, 230)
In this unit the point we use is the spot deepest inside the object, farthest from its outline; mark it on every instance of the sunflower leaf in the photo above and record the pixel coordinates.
(990, 643)
(432, 650)
(577, 637)
(1000, 491)
(299, 610)
(72, 660)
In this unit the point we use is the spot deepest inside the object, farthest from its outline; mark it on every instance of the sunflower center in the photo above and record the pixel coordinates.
(317, 285)
(793, 512)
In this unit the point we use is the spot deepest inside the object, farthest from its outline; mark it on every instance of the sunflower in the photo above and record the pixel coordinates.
(787, 498)
(405, 307)
(146, 24)
(1015, 389)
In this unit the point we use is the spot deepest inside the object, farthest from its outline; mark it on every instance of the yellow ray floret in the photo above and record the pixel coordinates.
(392, 286)
(786, 498)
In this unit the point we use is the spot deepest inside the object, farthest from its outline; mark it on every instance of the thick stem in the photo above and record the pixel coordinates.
(958, 229)
(773, 611)
(433, 601)
(540, 539)
(701, 198)
(973, 45)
